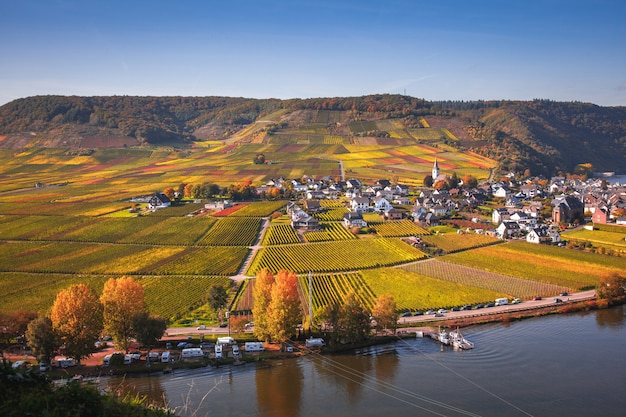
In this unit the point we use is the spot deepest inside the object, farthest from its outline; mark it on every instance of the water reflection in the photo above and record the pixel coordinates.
(279, 389)
(611, 317)
(148, 387)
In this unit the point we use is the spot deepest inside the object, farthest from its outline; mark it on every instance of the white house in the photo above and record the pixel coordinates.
(159, 201)
(360, 204)
(354, 219)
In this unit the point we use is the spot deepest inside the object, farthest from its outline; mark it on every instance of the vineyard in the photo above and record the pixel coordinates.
(346, 255)
(478, 278)
(231, 231)
(413, 291)
(542, 263)
(399, 228)
(328, 289)
(453, 242)
(332, 231)
(243, 300)
(259, 209)
(334, 214)
(280, 234)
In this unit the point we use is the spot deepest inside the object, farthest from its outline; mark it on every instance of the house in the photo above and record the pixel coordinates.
(159, 201)
(600, 216)
(499, 215)
(353, 184)
(218, 205)
(401, 200)
(538, 235)
(393, 214)
(313, 206)
(306, 222)
(508, 230)
(360, 204)
(353, 219)
(381, 204)
(567, 209)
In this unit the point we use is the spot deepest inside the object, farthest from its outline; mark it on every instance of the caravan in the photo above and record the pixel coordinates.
(254, 346)
(226, 341)
(192, 353)
(218, 351)
(315, 342)
(165, 356)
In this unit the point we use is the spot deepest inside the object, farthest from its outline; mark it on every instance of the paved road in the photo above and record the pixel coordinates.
(425, 319)
(526, 305)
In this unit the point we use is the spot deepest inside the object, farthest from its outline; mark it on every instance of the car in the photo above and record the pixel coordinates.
(430, 312)
(477, 306)
(558, 300)
(454, 309)
(19, 364)
(249, 325)
(418, 313)
(516, 301)
(564, 294)
(438, 314)
(406, 314)
(466, 307)
(536, 298)
(222, 325)
(43, 367)
(442, 310)
(201, 327)
(489, 305)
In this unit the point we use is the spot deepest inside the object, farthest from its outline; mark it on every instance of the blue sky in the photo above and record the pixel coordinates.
(565, 50)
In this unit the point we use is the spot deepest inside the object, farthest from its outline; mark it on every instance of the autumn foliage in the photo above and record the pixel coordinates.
(122, 299)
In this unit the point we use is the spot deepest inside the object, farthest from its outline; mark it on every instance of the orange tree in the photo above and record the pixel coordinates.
(284, 310)
(385, 312)
(122, 299)
(77, 318)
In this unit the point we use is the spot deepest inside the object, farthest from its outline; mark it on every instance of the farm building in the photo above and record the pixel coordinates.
(159, 201)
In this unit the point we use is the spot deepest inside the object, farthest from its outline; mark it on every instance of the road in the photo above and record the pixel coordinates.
(174, 332)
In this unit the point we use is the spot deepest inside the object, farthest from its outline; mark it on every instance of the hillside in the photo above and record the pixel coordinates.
(543, 136)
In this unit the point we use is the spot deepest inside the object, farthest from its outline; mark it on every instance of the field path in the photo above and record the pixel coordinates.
(253, 250)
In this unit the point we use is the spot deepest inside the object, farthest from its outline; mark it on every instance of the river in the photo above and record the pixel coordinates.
(562, 365)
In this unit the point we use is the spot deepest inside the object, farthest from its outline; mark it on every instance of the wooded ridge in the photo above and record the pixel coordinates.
(544, 136)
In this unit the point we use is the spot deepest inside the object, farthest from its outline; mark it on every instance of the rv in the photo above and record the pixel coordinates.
(502, 301)
(192, 353)
(165, 356)
(153, 357)
(225, 341)
(313, 342)
(128, 359)
(106, 361)
(65, 362)
(218, 351)
(254, 346)
(235, 351)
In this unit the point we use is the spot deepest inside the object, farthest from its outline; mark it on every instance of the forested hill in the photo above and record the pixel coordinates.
(544, 136)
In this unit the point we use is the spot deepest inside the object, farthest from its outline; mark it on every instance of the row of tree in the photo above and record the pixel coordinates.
(79, 317)
(278, 311)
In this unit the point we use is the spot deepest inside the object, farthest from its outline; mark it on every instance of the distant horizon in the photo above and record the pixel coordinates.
(558, 50)
(314, 98)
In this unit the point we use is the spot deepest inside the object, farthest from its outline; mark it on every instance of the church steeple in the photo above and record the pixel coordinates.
(436, 171)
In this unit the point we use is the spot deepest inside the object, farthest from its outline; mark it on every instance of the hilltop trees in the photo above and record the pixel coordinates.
(76, 317)
(122, 299)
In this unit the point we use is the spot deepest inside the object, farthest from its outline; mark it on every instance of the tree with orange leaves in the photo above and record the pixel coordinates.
(284, 311)
(76, 317)
(122, 299)
(261, 294)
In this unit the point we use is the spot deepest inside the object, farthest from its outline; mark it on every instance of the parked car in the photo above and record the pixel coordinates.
(442, 310)
(430, 312)
(201, 327)
(466, 307)
(537, 298)
(558, 300)
(222, 325)
(516, 301)
(477, 306)
(249, 325)
(438, 314)
(490, 304)
(418, 313)
(406, 314)
(564, 294)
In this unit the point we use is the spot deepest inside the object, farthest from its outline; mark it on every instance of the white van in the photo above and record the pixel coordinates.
(128, 359)
(106, 361)
(226, 341)
(165, 356)
(153, 357)
(502, 301)
(235, 351)
(192, 353)
(218, 351)
(65, 362)
(254, 346)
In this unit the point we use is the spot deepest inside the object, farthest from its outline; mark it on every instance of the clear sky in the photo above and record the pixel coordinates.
(565, 50)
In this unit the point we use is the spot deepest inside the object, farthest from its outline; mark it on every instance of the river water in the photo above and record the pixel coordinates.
(563, 365)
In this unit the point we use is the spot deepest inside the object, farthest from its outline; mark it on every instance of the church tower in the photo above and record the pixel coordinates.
(436, 171)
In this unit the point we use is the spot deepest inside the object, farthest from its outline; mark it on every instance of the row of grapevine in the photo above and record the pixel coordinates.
(281, 234)
(332, 231)
(453, 242)
(328, 289)
(259, 209)
(210, 260)
(399, 228)
(232, 231)
(243, 300)
(343, 255)
(334, 214)
(515, 287)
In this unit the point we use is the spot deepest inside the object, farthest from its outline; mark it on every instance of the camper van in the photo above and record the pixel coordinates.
(502, 301)
(314, 342)
(153, 357)
(235, 351)
(165, 356)
(65, 362)
(218, 351)
(254, 346)
(106, 361)
(128, 359)
(192, 353)
(226, 341)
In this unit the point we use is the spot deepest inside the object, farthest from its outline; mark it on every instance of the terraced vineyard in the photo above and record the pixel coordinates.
(332, 231)
(343, 255)
(232, 232)
(399, 228)
(328, 289)
(453, 242)
(542, 263)
(478, 278)
(280, 234)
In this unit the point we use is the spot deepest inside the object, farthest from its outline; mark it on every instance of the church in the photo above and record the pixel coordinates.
(436, 173)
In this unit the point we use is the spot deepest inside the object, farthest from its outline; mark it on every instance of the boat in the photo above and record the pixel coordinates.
(458, 341)
(443, 337)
